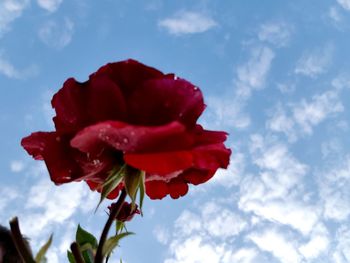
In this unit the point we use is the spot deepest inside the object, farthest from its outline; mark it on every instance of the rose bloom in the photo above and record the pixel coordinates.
(129, 113)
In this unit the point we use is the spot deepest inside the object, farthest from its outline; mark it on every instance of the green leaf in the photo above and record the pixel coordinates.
(40, 256)
(142, 190)
(112, 242)
(111, 183)
(83, 237)
(70, 257)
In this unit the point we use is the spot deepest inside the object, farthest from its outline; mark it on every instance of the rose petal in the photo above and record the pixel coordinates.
(177, 188)
(161, 163)
(211, 157)
(57, 154)
(156, 189)
(196, 176)
(97, 187)
(208, 137)
(129, 138)
(35, 143)
(171, 99)
(159, 189)
(80, 104)
(69, 104)
(98, 167)
(129, 74)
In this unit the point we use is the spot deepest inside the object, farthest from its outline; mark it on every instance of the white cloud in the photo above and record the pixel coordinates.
(231, 176)
(342, 250)
(7, 69)
(277, 244)
(50, 204)
(252, 75)
(296, 215)
(286, 88)
(334, 191)
(305, 115)
(335, 14)
(10, 71)
(281, 122)
(57, 34)
(316, 62)
(7, 195)
(49, 5)
(225, 112)
(243, 255)
(16, 166)
(187, 223)
(162, 234)
(220, 222)
(187, 23)
(276, 33)
(331, 147)
(194, 250)
(277, 193)
(205, 236)
(344, 3)
(318, 244)
(9, 11)
(228, 109)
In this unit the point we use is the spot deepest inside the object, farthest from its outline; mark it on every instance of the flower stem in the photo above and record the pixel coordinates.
(112, 216)
(76, 253)
(21, 246)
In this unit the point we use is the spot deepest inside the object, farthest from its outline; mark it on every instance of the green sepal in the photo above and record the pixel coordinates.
(70, 257)
(112, 242)
(40, 256)
(142, 190)
(119, 225)
(88, 256)
(83, 237)
(115, 177)
(132, 181)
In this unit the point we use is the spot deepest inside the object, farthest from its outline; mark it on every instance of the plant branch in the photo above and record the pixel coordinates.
(21, 246)
(76, 253)
(112, 216)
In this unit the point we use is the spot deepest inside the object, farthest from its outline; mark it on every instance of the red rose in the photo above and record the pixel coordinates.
(130, 113)
(126, 212)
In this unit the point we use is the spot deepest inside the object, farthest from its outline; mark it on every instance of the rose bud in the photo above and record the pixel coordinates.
(126, 212)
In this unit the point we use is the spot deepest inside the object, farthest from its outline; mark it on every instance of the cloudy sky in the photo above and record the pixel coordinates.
(275, 75)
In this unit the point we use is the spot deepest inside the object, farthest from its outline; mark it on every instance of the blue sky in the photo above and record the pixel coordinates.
(275, 75)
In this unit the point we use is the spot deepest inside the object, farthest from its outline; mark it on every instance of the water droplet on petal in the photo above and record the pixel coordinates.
(96, 162)
(125, 140)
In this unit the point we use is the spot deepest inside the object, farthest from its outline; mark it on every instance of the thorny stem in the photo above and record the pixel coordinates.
(21, 246)
(76, 253)
(112, 216)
